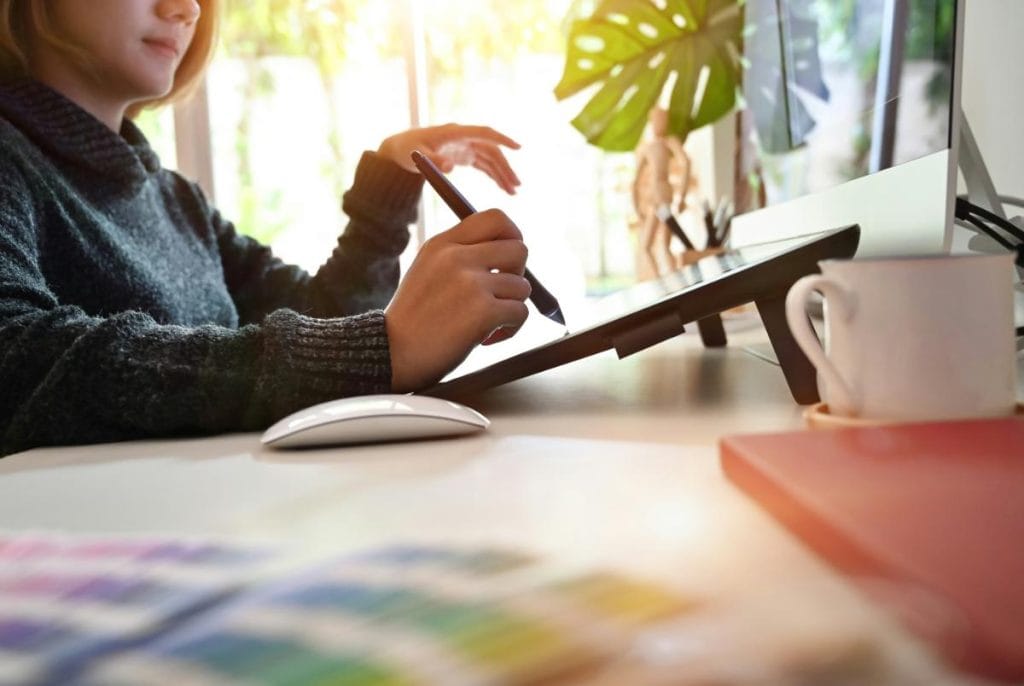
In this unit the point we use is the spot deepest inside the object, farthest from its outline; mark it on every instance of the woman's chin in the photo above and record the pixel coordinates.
(153, 88)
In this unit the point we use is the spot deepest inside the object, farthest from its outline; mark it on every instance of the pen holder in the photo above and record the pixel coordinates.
(712, 331)
(691, 256)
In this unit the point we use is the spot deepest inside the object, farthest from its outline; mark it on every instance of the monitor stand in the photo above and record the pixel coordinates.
(981, 191)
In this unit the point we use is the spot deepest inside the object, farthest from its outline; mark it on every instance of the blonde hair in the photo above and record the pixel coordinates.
(21, 18)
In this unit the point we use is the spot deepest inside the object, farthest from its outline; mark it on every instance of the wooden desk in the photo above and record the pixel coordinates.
(607, 461)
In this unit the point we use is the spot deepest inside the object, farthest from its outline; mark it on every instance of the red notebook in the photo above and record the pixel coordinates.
(935, 509)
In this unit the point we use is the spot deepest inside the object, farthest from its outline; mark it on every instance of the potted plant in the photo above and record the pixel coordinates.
(712, 55)
(633, 47)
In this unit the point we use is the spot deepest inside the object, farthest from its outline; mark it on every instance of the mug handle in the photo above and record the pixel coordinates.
(840, 300)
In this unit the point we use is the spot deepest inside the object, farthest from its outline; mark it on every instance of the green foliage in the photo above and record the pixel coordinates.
(306, 28)
(631, 47)
(455, 39)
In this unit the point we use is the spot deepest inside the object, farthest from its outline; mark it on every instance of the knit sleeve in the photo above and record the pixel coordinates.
(361, 273)
(68, 377)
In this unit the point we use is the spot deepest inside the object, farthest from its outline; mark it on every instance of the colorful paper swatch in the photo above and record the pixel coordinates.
(167, 612)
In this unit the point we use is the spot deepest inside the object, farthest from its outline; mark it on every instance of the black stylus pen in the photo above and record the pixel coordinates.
(541, 297)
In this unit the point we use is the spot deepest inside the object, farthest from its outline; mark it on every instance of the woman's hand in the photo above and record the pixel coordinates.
(465, 285)
(455, 144)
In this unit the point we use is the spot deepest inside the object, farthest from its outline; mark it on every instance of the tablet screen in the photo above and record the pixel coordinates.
(584, 315)
(649, 293)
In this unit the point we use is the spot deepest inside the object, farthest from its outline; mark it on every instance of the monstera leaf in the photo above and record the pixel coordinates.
(782, 45)
(632, 47)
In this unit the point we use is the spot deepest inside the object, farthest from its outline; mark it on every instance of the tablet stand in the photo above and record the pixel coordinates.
(800, 374)
(798, 371)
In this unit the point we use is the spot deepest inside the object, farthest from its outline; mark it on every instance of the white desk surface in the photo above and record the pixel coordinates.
(604, 460)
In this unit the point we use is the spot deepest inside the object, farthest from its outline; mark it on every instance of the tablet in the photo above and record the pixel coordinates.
(652, 311)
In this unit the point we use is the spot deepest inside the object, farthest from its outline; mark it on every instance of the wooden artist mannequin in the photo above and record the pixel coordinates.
(653, 191)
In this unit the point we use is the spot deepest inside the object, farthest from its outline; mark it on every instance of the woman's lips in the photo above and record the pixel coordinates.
(164, 47)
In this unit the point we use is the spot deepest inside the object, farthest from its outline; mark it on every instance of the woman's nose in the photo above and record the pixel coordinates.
(185, 11)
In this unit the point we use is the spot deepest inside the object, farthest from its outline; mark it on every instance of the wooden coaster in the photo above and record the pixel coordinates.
(818, 417)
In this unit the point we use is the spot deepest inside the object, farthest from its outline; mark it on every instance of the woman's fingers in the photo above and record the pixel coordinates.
(451, 132)
(452, 145)
(505, 256)
(498, 335)
(442, 161)
(509, 286)
(510, 292)
(510, 315)
(502, 256)
(465, 286)
(488, 225)
(478, 146)
(484, 156)
(488, 167)
(494, 164)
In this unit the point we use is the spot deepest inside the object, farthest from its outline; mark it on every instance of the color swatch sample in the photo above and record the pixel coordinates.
(144, 612)
(68, 601)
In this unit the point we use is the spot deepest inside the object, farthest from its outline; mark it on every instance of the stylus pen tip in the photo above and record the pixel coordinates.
(556, 316)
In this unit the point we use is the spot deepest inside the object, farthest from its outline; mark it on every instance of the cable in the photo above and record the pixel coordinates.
(965, 207)
(1005, 224)
(1013, 200)
(982, 230)
(987, 230)
(965, 212)
(1018, 249)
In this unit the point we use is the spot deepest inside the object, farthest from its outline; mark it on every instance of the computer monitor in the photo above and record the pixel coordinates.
(851, 116)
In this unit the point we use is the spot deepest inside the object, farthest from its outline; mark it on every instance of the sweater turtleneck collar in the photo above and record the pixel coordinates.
(66, 131)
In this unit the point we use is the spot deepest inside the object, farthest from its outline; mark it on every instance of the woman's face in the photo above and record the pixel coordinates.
(135, 45)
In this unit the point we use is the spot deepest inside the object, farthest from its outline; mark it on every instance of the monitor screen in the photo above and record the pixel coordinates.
(849, 115)
(838, 90)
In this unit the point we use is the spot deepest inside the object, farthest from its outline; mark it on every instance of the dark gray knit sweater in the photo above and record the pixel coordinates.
(129, 308)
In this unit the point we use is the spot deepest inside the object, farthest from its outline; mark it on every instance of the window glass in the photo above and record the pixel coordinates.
(158, 127)
(300, 88)
(297, 91)
(488, 64)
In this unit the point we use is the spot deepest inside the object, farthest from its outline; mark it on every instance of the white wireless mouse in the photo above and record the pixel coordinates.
(373, 419)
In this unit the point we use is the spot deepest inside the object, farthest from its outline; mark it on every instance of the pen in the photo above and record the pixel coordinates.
(665, 215)
(723, 234)
(709, 224)
(546, 303)
(719, 217)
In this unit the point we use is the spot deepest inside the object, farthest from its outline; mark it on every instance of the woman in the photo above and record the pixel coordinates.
(130, 308)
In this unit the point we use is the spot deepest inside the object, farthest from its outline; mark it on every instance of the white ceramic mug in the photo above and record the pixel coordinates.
(915, 338)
